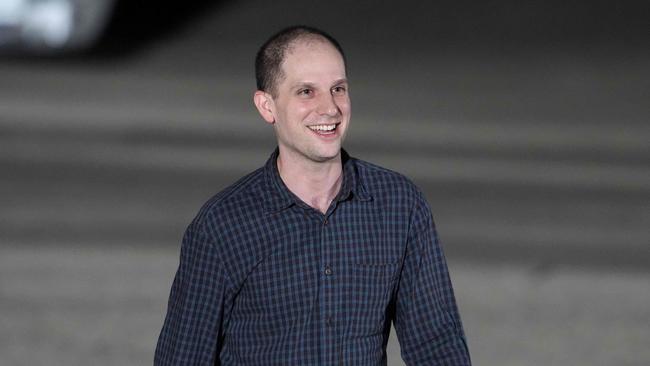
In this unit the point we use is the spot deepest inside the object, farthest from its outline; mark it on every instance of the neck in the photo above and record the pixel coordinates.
(315, 183)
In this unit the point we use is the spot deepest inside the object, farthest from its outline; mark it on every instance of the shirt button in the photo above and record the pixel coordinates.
(329, 321)
(325, 222)
(328, 271)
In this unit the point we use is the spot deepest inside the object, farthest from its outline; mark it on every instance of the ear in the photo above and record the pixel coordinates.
(264, 103)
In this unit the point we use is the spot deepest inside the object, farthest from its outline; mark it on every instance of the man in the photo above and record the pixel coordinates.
(307, 260)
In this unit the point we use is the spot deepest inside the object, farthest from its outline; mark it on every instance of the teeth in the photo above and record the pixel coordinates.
(323, 127)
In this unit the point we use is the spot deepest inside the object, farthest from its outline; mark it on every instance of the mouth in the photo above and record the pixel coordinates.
(325, 129)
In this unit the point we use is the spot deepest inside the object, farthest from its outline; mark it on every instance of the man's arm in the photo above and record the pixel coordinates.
(198, 304)
(427, 321)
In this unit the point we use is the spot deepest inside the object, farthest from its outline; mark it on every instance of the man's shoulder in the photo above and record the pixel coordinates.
(240, 196)
(384, 182)
(228, 221)
(395, 193)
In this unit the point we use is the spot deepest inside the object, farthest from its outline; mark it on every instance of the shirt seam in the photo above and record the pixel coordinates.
(211, 241)
(236, 188)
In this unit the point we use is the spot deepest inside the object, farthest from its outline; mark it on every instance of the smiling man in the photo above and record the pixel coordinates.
(308, 260)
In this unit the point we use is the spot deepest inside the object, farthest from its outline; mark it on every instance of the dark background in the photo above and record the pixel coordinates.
(525, 124)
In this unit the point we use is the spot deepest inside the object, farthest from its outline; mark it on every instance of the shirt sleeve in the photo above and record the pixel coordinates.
(199, 302)
(427, 320)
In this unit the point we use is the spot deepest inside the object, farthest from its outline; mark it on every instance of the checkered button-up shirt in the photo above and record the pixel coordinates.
(264, 279)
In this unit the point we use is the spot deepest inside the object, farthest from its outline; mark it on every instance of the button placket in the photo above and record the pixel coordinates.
(329, 311)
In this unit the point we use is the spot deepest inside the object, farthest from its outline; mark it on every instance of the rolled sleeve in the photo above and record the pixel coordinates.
(427, 320)
(198, 305)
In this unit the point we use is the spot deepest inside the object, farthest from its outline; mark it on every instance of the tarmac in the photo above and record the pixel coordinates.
(527, 133)
(92, 305)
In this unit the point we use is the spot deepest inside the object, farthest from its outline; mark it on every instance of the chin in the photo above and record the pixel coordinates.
(326, 156)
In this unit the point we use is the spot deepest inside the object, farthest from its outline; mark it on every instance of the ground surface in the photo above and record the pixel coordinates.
(75, 305)
(525, 126)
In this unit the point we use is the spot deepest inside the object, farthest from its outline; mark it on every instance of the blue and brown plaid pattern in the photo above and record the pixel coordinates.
(264, 279)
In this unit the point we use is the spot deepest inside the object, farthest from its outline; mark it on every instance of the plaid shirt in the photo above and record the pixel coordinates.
(264, 279)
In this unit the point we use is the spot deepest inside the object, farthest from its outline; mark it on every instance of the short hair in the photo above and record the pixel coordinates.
(269, 58)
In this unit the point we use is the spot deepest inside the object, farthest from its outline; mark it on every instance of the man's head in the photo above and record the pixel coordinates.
(306, 98)
(268, 62)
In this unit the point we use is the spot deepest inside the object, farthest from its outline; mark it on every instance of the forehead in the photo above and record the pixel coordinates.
(312, 58)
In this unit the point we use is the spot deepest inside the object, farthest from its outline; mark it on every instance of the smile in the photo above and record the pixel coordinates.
(323, 128)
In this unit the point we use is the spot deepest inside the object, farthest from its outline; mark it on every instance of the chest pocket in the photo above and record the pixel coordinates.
(367, 294)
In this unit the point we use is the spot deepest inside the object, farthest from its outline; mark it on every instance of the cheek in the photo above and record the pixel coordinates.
(343, 101)
(344, 106)
(300, 110)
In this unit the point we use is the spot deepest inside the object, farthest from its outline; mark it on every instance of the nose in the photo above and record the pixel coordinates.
(327, 106)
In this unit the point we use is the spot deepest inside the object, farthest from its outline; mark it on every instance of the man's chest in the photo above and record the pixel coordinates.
(336, 271)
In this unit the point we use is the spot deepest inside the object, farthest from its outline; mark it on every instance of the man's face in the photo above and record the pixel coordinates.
(311, 108)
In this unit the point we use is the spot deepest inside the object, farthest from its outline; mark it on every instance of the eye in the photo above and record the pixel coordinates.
(305, 92)
(339, 89)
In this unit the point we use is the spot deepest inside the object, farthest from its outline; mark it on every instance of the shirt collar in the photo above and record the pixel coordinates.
(278, 196)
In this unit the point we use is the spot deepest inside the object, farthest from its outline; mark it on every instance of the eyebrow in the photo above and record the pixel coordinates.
(307, 84)
(303, 85)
